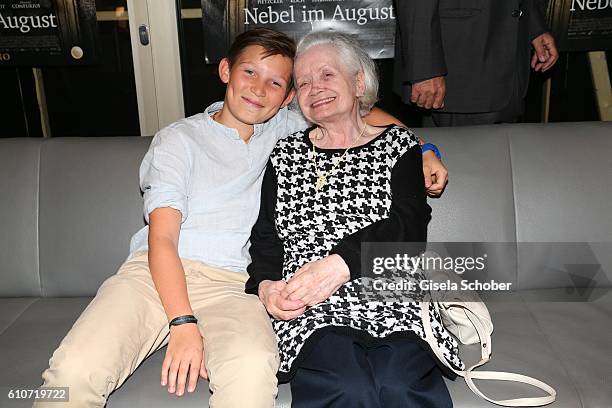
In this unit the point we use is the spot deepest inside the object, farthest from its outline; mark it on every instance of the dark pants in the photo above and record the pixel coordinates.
(510, 114)
(341, 371)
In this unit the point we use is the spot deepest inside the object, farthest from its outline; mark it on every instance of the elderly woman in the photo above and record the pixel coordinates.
(325, 191)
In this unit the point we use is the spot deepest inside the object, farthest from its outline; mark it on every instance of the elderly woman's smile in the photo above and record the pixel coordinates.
(321, 102)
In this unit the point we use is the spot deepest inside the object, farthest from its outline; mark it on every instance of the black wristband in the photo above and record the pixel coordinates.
(177, 321)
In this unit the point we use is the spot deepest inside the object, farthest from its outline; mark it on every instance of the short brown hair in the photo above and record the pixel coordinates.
(273, 42)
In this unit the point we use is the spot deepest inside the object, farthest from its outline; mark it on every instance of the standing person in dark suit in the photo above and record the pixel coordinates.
(469, 59)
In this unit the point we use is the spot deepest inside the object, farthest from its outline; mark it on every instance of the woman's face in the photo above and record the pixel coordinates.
(326, 92)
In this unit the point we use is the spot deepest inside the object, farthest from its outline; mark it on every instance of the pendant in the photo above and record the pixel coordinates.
(321, 181)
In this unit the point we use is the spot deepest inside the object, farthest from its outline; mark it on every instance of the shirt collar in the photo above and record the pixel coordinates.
(231, 132)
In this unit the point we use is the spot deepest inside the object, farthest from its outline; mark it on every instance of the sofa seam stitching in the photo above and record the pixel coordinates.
(40, 285)
(514, 207)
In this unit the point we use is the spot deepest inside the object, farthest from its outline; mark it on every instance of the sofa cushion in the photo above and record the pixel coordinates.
(90, 205)
(562, 174)
(19, 165)
(518, 346)
(28, 343)
(477, 206)
(580, 334)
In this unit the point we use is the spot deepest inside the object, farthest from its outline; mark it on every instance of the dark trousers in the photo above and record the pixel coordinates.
(342, 372)
(510, 114)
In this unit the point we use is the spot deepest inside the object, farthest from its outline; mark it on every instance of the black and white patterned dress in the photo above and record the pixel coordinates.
(376, 194)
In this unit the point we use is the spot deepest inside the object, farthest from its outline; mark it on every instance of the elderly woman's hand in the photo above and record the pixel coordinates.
(315, 282)
(436, 175)
(276, 303)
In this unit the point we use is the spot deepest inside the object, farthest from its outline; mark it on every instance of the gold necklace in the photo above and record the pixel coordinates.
(322, 177)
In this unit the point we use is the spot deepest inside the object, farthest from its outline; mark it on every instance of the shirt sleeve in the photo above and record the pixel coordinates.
(295, 122)
(408, 218)
(165, 174)
(266, 247)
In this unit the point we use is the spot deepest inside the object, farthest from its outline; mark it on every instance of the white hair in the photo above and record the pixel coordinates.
(353, 59)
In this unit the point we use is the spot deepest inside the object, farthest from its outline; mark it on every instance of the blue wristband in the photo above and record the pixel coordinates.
(430, 146)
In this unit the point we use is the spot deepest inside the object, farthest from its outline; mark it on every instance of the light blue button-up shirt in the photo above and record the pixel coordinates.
(208, 173)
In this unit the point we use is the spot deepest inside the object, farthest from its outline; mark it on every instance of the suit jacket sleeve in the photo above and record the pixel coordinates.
(419, 40)
(535, 14)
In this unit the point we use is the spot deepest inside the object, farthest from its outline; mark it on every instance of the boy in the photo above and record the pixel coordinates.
(201, 180)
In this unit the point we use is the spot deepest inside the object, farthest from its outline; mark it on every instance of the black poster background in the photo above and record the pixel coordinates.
(48, 32)
(581, 25)
(224, 19)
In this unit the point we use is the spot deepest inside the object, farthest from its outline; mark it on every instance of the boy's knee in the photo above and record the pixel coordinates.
(88, 385)
(261, 359)
(248, 380)
(241, 374)
(250, 366)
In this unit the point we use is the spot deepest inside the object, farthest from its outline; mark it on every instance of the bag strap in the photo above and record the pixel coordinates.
(469, 375)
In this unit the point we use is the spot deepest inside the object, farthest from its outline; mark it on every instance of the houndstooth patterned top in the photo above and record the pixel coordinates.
(376, 194)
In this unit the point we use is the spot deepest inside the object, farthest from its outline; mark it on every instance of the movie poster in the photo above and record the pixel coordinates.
(581, 25)
(372, 22)
(48, 32)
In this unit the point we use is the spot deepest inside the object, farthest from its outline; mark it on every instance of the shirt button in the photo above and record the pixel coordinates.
(517, 13)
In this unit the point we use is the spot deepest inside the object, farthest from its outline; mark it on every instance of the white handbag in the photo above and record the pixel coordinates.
(466, 316)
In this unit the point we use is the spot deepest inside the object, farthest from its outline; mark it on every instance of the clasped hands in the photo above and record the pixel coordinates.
(313, 283)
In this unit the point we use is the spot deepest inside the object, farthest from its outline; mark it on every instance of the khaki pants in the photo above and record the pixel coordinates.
(125, 323)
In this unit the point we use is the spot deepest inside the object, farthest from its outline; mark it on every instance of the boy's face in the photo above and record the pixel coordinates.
(256, 86)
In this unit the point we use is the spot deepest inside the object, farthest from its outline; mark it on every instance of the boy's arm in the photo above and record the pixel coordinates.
(165, 182)
(165, 264)
(378, 117)
(436, 174)
(185, 349)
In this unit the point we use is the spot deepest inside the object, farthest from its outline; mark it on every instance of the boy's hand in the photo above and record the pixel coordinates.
(184, 356)
(436, 175)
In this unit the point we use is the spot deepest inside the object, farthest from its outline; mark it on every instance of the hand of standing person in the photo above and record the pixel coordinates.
(545, 53)
(430, 93)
